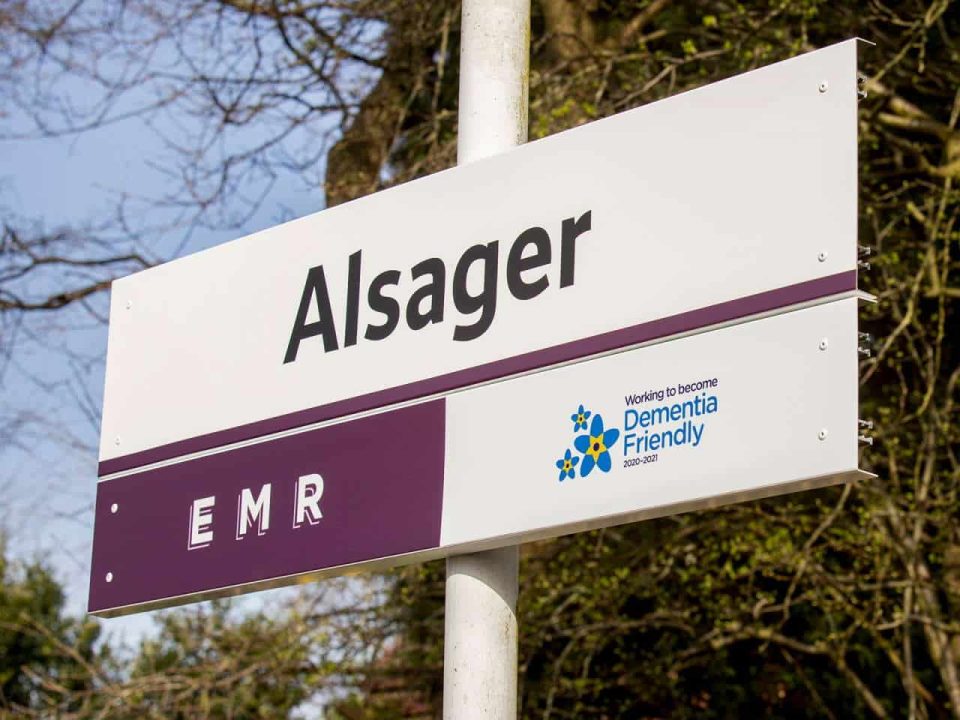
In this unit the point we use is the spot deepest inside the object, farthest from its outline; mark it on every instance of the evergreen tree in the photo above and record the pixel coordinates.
(43, 653)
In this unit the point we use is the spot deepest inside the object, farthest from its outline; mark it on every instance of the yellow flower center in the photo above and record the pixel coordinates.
(580, 419)
(567, 465)
(597, 448)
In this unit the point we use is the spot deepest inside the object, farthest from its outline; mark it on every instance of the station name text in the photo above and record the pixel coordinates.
(473, 289)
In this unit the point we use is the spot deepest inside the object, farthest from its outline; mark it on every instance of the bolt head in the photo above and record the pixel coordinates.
(116, 440)
(822, 256)
(114, 508)
(109, 577)
(822, 87)
(129, 304)
(822, 434)
(823, 344)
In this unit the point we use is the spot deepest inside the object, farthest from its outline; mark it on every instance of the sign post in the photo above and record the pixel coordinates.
(480, 621)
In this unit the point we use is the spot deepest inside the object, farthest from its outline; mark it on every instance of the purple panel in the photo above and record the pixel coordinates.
(382, 496)
(635, 334)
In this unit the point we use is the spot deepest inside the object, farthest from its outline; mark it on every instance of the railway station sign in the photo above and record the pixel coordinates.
(652, 312)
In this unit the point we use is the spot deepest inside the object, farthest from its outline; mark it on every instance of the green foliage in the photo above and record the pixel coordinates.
(39, 647)
(206, 664)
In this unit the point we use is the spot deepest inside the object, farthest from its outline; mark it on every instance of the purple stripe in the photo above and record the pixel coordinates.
(574, 350)
(382, 496)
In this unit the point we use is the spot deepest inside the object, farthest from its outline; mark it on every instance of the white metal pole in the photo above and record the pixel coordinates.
(494, 77)
(480, 647)
(480, 634)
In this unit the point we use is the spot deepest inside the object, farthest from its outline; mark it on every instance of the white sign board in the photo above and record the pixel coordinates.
(651, 313)
(735, 198)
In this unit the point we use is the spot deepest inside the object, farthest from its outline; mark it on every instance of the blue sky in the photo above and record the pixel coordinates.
(56, 377)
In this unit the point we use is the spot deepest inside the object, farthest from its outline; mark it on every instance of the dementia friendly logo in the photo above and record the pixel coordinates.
(659, 422)
(594, 446)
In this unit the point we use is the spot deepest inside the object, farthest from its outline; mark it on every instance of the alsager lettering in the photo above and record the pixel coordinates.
(532, 250)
